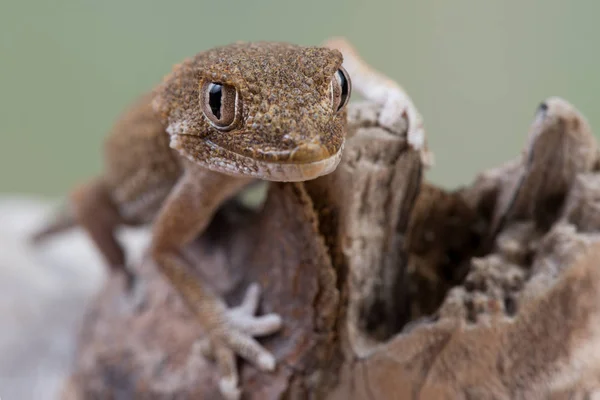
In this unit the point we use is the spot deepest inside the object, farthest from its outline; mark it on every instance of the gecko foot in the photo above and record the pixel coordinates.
(235, 336)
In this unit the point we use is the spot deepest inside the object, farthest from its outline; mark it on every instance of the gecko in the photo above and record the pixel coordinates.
(218, 121)
(560, 144)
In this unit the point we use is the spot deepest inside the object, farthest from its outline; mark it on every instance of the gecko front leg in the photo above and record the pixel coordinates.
(185, 214)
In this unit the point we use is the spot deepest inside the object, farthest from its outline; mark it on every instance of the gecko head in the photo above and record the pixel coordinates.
(559, 127)
(269, 110)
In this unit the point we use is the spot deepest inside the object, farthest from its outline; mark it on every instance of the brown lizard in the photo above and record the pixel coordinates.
(229, 115)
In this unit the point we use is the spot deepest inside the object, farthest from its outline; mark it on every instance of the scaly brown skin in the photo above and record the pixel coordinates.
(173, 159)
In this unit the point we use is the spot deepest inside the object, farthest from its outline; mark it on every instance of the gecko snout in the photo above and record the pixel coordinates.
(309, 152)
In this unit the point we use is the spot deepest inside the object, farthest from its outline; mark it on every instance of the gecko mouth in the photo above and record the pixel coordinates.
(297, 171)
(304, 163)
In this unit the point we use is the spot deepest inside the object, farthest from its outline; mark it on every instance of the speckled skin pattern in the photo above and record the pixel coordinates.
(285, 92)
(140, 168)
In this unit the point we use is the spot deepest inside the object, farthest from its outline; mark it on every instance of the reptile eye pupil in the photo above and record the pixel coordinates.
(215, 95)
(342, 88)
(344, 85)
(221, 104)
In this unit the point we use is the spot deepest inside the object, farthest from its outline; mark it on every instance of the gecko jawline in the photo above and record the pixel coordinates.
(234, 164)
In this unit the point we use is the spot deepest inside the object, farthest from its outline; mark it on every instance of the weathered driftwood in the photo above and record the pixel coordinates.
(383, 289)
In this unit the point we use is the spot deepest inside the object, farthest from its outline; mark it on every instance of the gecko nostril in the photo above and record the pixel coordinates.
(542, 108)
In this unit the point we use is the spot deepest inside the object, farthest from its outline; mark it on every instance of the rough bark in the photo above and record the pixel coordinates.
(383, 287)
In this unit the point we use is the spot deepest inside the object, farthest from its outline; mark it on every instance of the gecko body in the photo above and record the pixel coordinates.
(218, 121)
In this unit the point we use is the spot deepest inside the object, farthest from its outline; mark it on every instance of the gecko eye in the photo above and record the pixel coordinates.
(341, 88)
(219, 104)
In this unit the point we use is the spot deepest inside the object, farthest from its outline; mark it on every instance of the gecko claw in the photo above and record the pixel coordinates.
(266, 362)
(236, 336)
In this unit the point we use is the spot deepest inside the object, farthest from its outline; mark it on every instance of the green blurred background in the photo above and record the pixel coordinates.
(476, 69)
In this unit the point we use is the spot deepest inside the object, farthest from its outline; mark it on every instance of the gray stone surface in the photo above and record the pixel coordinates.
(43, 294)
